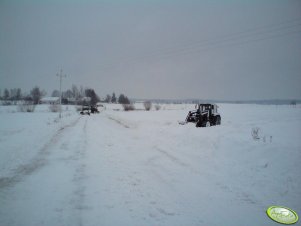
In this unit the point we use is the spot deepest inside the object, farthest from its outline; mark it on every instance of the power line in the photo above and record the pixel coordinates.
(231, 36)
(255, 30)
(243, 37)
(209, 48)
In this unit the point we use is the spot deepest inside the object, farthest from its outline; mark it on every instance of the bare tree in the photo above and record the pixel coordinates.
(55, 93)
(108, 98)
(19, 94)
(113, 99)
(147, 105)
(81, 91)
(36, 94)
(6, 94)
(43, 93)
(68, 94)
(75, 92)
(12, 95)
(15, 94)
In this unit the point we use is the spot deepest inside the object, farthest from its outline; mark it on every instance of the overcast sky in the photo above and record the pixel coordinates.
(230, 50)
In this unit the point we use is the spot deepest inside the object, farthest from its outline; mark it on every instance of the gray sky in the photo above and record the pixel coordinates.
(154, 49)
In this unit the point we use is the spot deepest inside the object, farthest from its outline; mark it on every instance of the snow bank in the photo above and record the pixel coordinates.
(24, 135)
(143, 168)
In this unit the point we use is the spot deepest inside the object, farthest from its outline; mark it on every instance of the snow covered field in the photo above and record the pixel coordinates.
(143, 168)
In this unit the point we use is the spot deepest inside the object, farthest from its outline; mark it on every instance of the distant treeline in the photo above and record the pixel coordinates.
(14, 95)
(197, 101)
(81, 95)
(74, 95)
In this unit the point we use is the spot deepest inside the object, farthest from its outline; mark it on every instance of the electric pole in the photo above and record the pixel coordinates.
(61, 76)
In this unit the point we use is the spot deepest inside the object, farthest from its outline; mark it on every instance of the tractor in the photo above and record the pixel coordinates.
(87, 110)
(205, 115)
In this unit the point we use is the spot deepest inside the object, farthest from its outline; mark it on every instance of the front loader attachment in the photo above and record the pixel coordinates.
(191, 117)
(182, 122)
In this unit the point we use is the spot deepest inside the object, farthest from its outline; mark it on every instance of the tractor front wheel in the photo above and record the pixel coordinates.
(198, 123)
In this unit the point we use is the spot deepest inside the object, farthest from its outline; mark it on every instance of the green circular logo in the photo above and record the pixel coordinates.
(282, 214)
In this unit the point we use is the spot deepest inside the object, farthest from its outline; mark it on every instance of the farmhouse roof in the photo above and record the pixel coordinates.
(50, 99)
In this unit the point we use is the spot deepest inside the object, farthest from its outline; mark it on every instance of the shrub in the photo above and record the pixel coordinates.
(147, 105)
(26, 107)
(157, 107)
(54, 107)
(255, 132)
(6, 102)
(128, 107)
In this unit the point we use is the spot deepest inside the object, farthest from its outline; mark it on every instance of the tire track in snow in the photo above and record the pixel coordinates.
(37, 162)
(171, 157)
(118, 121)
(176, 160)
(79, 193)
(128, 124)
(60, 191)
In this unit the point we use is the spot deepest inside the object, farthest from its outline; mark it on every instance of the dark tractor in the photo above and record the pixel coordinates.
(205, 115)
(87, 110)
(94, 109)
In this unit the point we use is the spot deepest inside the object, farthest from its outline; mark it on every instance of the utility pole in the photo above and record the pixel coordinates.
(61, 76)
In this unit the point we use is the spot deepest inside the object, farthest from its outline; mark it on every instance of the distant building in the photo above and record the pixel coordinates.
(50, 100)
(72, 100)
(87, 99)
(102, 100)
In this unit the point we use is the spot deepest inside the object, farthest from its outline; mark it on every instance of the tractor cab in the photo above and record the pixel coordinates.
(207, 108)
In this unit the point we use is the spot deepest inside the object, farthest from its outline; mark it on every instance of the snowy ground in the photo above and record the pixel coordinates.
(143, 168)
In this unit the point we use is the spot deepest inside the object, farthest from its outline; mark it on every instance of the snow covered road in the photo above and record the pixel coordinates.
(142, 168)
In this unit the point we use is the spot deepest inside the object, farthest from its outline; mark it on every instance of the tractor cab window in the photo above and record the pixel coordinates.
(214, 109)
